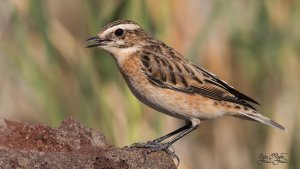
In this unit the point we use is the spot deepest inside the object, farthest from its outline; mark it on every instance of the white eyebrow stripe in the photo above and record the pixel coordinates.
(122, 26)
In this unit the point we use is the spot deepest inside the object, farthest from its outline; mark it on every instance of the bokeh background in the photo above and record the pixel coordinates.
(46, 74)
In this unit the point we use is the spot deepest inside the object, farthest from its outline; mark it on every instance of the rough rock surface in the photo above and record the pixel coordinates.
(71, 145)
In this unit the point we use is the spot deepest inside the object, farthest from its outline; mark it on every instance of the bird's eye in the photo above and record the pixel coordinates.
(119, 32)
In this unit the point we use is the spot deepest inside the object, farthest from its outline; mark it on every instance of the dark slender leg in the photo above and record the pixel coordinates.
(156, 144)
(162, 138)
(165, 146)
(185, 132)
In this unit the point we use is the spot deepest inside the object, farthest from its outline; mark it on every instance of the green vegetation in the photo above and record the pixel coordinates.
(46, 74)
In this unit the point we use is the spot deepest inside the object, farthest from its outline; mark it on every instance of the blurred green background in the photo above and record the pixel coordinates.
(46, 74)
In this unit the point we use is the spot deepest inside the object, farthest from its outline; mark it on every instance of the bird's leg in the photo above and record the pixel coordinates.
(162, 138)
(167, 145)
(156, 144)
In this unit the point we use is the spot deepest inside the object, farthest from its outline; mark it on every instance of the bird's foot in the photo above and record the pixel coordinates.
(154, 146)
(148, 144)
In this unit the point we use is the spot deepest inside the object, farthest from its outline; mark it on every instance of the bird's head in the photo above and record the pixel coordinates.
(118, 37)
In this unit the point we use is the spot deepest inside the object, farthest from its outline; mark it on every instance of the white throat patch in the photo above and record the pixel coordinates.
(120, 54)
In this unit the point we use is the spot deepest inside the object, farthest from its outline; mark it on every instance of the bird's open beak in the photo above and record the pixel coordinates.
(95, 41)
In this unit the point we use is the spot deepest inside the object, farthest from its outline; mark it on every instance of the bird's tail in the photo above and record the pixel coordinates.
(262, 119)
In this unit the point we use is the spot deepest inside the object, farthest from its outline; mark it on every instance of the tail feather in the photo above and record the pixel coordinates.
(262, 119)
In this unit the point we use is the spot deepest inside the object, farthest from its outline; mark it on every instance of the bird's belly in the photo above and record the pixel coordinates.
(171, 102)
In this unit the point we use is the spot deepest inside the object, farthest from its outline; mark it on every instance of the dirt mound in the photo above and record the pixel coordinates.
(71, 145)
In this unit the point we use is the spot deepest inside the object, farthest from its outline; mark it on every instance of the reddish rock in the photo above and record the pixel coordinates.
(71, 145)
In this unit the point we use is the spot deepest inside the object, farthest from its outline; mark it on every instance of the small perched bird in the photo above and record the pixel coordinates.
(163, 79)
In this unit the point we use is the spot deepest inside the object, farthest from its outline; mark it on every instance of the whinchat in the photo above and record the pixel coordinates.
(163, 79)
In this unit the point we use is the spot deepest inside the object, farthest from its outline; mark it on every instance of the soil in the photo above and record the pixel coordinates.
(71, 145)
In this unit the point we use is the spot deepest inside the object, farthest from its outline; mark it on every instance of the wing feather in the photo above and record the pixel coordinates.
(181, 75)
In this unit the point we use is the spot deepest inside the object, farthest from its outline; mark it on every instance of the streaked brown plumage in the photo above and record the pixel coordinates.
(168, 82)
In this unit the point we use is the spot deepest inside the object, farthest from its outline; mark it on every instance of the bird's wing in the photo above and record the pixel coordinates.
(177, 73)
